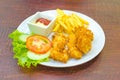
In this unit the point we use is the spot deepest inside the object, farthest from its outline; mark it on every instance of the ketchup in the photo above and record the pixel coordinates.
(43, 20)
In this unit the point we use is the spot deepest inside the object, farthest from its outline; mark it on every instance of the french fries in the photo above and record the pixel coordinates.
(67, 23)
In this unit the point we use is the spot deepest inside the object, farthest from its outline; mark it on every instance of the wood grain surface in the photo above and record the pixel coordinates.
(105, 66)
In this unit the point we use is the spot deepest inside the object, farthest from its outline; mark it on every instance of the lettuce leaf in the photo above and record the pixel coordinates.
(20, 51)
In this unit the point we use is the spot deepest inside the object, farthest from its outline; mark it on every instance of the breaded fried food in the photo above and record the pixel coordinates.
(58, 51)
(73, 51)
(73, 45)
(61, 56)
(72, 39)
(84, 39)
(59, 41)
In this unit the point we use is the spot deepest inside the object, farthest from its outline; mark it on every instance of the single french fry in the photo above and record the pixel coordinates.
(56, 27)
(68, 26)
(71, 22)
(60, 11)
(77, 20)
(82, 20)
(63, 25)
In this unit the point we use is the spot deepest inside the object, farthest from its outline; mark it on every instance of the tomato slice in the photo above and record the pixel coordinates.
(38, 44)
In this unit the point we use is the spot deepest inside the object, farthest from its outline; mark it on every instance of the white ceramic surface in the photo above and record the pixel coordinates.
(40, 29)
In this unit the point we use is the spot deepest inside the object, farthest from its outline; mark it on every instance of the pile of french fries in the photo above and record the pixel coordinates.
(68, 23)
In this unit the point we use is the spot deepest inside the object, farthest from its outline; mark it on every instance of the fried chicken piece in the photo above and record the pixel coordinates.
(84, 39)
(59, 56)
(72, 39)
(74, 52)
(72, 49)
(59, 41)
(58, 51)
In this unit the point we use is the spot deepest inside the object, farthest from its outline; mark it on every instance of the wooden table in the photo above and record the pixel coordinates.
(105, 66)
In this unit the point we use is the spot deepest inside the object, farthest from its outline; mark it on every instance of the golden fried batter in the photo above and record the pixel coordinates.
(74, 53)
(72, 49)
(58, 51)
(59, 56)
(59, 41)
(72, 46)
(84, 39)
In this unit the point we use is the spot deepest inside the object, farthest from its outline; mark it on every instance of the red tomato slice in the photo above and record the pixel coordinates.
(38, 44)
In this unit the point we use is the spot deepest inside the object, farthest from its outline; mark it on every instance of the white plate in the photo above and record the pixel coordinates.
(97, 44)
